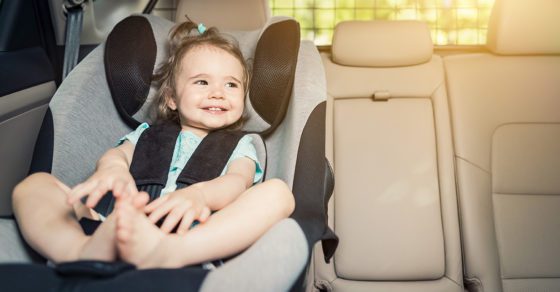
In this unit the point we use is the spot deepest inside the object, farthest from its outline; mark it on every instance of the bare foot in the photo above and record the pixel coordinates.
(139, 241)
(101, 244)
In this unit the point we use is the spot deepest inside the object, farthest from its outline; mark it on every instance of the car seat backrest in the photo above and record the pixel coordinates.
(389, 140)
(90, 110)
(226, 15)
(506, 126)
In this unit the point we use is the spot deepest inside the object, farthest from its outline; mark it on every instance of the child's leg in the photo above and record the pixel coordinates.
(227, 232)
(50, 225)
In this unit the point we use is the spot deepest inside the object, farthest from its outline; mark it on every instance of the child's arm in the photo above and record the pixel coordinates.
(196, 201)
(223, 190)
(111, 174)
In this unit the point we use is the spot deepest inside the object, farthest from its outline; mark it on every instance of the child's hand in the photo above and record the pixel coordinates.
(185, 205)
(112, 178)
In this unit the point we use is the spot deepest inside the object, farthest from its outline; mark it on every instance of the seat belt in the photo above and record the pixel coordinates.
(74, 10)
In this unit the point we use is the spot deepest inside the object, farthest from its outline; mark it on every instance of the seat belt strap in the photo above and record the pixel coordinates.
(74, 10)
(210, 157)
(152, 157)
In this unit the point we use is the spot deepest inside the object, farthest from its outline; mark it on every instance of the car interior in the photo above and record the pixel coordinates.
(416, 165)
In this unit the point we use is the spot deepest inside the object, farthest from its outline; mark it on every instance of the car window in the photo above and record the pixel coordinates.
(452, 22)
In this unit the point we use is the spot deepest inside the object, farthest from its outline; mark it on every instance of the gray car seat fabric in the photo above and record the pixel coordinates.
(86, 123)
(277, 258)
(12, 247)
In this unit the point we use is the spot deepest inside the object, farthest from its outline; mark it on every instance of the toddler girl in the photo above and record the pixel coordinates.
(202, 89)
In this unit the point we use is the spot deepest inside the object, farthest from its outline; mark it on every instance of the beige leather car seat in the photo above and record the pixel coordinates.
(389, 141)
(505, 108)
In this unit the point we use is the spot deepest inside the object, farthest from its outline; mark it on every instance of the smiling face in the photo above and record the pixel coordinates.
(209, 90)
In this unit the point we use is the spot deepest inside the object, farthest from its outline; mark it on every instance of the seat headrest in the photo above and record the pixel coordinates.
(225, 15)
(521, 27)
(381, 43)
(129, 70)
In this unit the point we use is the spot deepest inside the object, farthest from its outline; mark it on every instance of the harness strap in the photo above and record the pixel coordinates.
(152, 157)
(150, 162)
(153, 154)
(209, 158)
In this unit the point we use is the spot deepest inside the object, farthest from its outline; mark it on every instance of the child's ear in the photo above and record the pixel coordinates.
(171, 104)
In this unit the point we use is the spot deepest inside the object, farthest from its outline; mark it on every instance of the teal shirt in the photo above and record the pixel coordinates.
(184, 149)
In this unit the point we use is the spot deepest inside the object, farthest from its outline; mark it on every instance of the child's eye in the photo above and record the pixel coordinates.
(232, 85)
(201, 82)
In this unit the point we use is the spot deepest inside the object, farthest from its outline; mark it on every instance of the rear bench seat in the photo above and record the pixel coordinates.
(505, 108)
(389, 140)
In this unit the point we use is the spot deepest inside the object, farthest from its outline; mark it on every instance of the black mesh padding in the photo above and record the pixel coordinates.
(130, 56)
(273, 71)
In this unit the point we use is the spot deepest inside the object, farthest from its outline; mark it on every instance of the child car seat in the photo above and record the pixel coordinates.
(287, 110)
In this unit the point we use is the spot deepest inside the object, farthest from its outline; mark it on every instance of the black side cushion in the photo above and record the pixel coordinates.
(130, 57)
(314, 184)
(274, 70)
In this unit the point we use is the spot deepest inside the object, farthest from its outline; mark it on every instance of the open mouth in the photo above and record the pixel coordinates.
(214, 109)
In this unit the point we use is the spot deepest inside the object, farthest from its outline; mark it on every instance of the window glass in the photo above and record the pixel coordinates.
(452, 22)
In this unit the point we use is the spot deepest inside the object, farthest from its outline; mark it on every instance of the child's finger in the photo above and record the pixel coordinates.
(100, 190)
(76, 192)
(119, 189)
(123, 189)
(140, 200)
(131, 189)
(161, 211)
(81, 190)
(204, 214)
(186, 223)
(156, 204)
(96, 195)
(172, 219)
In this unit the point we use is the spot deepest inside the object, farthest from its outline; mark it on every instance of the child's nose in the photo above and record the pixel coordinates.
(217, 92)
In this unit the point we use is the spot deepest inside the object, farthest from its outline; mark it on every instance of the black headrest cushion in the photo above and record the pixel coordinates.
(130, 57)
(274, 68)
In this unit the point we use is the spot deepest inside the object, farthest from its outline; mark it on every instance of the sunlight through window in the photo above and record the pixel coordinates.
(453, 22)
